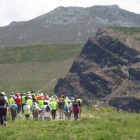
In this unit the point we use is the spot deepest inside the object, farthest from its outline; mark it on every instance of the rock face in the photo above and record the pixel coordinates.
(66, 25)
(107, 67)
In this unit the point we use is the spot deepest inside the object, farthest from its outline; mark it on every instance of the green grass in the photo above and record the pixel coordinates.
(96, 124)
(39, 53)
(134, 32)
(25, 68)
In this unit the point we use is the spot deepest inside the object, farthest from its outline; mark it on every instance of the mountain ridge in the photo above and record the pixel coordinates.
(66, 25)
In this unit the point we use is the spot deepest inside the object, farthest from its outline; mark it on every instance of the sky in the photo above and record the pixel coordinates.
(23, 10)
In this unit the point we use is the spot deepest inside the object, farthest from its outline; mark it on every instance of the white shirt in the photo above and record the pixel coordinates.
(26, 106)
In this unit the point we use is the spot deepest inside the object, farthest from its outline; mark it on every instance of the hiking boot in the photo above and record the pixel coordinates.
(4, 123)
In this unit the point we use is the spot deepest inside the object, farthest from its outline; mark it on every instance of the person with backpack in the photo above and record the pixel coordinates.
(40, 103)
(30, 102)
(36, 110)
(70, 108)
(13, 108)
(18, 102)
(33, 98)
(3, 108)
(13, 95)
(46, 110)
(67, 112)
(54, 107)
(61, 108)
(79, 101)
(23, 100)
(75, 109)
(26, 109)
(66, 100)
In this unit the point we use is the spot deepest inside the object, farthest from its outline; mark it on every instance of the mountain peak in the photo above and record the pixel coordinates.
(106, 6)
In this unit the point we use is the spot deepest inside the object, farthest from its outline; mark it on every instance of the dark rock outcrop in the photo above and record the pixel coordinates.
(107, 67)
(126, 103)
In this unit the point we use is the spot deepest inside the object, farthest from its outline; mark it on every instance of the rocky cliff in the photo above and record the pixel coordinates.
(107, 68)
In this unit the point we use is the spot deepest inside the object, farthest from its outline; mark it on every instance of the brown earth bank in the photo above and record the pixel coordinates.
(107, 69)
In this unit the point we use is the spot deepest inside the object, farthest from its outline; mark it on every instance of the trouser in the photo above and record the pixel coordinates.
(75, 115)
(71, 114)
(22, 108)
(53, 114)
(61, 112)
(18, 109)
(13, 114)
(3, 112)
(35, 115)
(67, 114)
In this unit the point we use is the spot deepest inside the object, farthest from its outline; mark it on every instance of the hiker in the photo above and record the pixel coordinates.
(13, 95)
(18, 102)
(61, 108)
(37, 97)
(3, 108)
(30, 102)
(66, 100)
(26, 109)
(47, 100)
(79, 101)
(10, 100)
(46, 110)
(36, 110)
(23, 100)
(67, 112)
(54, 108)
(70, 108)
(33, 98)
(75, 109)
(40, 102)
(13, 108)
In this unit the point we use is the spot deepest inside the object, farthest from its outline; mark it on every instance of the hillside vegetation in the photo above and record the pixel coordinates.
(133, 32)
(24, 68)
(96, 124)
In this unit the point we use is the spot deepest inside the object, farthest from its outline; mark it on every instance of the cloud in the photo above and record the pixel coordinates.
(22, 10)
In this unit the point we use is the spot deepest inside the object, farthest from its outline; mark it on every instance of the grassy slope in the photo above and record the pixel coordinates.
(34, 67)
(97, 124)
(133, 32)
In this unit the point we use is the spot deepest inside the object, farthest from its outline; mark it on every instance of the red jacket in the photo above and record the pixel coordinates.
(18, 100)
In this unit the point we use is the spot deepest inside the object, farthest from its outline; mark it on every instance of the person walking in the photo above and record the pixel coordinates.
(75, 109)
(67, 112)
(54, 107)
(26, 109)
(3, 108)
(10, 100)
(23, 100)
(30, 102)
(18, 102)
(46, 110)
(36, 110)
(13, 108)
(40, 103)
(61, 108)
(79, 101)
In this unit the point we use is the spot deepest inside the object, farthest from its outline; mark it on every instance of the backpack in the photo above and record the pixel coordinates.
(13, 108)
(48, 109)
(67, 109)
(2, 102)
(79, 103)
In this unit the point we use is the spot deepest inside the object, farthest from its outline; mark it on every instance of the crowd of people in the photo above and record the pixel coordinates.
(39, 106)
